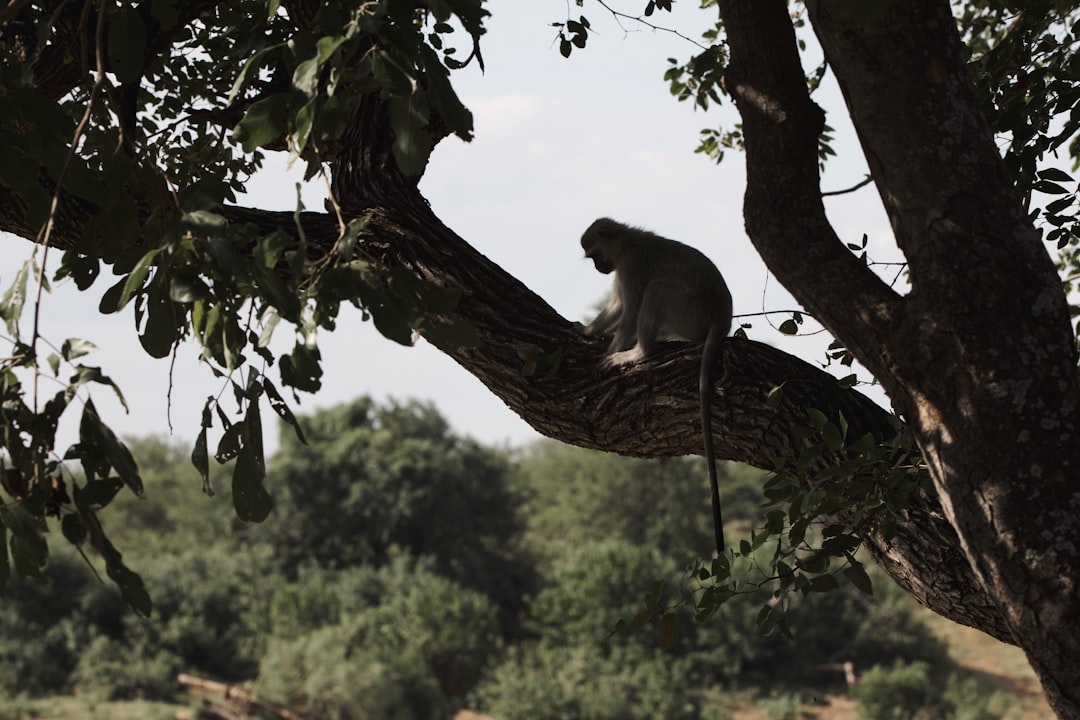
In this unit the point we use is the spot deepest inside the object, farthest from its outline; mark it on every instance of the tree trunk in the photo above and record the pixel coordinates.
(979, 356)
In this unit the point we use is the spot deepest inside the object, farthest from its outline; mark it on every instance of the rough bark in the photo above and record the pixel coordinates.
(979, 356)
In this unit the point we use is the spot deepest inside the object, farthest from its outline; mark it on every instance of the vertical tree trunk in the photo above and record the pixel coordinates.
(979, 356)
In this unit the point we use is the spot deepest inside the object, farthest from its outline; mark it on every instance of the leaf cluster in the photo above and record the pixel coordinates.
(139, 138)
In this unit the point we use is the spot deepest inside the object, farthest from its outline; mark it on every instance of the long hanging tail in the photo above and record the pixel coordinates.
(705, 389)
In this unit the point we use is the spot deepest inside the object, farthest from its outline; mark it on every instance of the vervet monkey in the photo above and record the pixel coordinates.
(664, 290)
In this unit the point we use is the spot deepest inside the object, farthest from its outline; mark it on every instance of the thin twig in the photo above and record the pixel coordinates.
(853, 188)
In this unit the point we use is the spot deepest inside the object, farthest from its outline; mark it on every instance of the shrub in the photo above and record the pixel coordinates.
(902, 691)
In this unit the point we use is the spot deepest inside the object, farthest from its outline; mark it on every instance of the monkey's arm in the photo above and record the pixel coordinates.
(607, 320)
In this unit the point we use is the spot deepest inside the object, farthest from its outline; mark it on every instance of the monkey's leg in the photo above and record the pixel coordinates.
(646, 329)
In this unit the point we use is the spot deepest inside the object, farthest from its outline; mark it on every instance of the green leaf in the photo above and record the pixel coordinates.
(73, 529)
(306, 76)
(817, 418)
(97, 493)
(130, 584)
(1055, 174)
(447, 103)
(76, 348)
(305, 120)
(160, 332)
(834, 440)
(87, 374)
(252, 64)
(110, 299)
(856, 574)
(203, 221)
(263, 123)
(789, 327)
(200, 456)
(282, 409)
(301, 369)
(775, 396)
(250, 498)
(412, 142)
(1049, 188)
(99, 441)
(136, 278)
(11, 302)
(822, 584)
(229, 444)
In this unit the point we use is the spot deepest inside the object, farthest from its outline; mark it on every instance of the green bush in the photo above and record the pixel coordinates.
(43, 628)
(781, 706)
(417, 652)
(376, 480)
(902, 691)
(540, 681)
(338, 673)
(207, 610)
(968, 699)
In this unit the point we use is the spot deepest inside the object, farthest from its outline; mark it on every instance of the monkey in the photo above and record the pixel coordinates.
(663, 290)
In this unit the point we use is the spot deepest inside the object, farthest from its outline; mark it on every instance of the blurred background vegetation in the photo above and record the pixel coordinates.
(409, 573)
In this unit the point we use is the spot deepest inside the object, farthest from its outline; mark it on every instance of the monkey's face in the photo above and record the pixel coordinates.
(602, 264)
(594, 250)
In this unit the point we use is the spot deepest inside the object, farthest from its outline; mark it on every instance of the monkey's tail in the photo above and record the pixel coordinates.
(709, 356)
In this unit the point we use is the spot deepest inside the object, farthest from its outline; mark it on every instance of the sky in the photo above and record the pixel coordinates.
(558, 143)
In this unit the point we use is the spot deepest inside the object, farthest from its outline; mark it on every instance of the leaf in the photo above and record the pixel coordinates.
(301, 369)
(822, 584)
(131, 585)
(250, 498)
(160, 332)
(280, 407)
(200, 457)
(110, 299)
(856, 574)
(789, 327)
(97, 493)
(252, 64)
(11, 302)
(98, 441)
(412, 142)
(136, 278)
(834, 440)
(306, 76)
(775, 396)
(447, 103)
(73, 529)
(229, 444)
(1055, 174)
(305, 120)
(1049, 188)
(263, 123)
(76, 348)
(203, 221)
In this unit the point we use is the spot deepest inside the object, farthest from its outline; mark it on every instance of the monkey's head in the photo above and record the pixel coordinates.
(602, 244)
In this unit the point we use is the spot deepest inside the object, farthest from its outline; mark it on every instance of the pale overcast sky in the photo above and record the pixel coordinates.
(558, 143)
